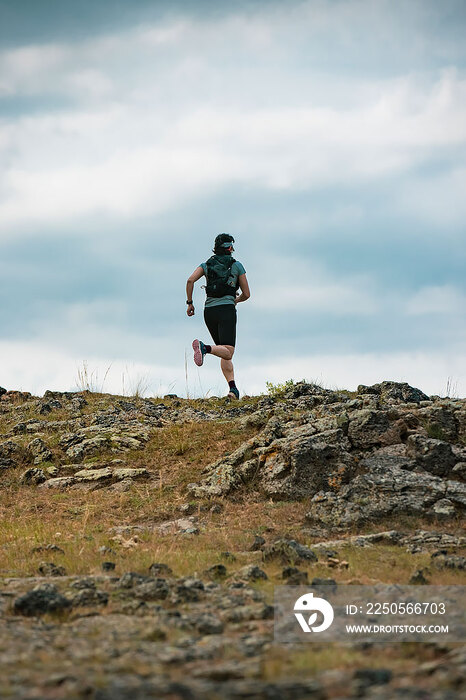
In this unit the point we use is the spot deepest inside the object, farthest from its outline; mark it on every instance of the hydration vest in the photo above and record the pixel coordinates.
(220, 281)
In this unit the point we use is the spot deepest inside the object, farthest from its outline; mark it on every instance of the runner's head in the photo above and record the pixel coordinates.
(223, 244)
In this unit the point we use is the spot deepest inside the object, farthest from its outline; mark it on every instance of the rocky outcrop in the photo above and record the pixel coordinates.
(357, 464)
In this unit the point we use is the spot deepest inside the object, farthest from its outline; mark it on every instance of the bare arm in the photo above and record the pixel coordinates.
(197, 274)
(244, 286)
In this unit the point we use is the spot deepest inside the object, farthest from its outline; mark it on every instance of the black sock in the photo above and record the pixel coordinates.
(208, 348)
(232, 384)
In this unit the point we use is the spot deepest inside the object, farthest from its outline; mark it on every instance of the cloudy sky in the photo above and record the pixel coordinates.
(328, 136)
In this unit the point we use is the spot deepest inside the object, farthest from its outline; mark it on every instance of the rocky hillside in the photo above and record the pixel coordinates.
(141, 539)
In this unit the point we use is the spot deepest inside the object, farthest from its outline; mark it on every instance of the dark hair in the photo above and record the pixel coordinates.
(219, 244)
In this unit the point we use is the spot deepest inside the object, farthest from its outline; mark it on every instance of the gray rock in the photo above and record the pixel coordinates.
(155, 589)
(399, 392)
(440, 422)
(207, 623)
(94, 474)
(48, 568)
(288, 552)
(44, 598)
(217, 571)
(459, 471)
(160, 569)
(377, 494)
(33, 476)
(11, 453)
(444, 509)
(59, 482)
(388, 458)
(251, 572)
(40, 451)
(89, 597)
(294, 577)
(131, 579)
(435, 456)
(257, 544)
(443, 560)
(368, 428)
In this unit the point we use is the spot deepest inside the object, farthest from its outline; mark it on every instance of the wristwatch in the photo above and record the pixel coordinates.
(189, 302)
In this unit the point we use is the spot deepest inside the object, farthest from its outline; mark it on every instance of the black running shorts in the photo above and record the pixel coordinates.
(221, 322)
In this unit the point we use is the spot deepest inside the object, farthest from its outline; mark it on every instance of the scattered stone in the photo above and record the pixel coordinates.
(40, 451)
(442, 560)
(215, 572)
(48, 568)
(153, 589)
(257, 544)
(59, 482)
(294, 577)
(251, 572)
(288, 552)
(33, 476)
(206, 623)
(444, 509)
(324, 584)
(179, 526)
(131, 579)
(89, 597)
(419, 577)
(108, 566)
(81, 583)
(187, 508)
(44, 598)
(47, 548)
(106, 550)
(160, 569)
(459, 471)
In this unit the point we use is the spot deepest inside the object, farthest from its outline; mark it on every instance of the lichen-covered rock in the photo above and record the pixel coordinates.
(58, 482)
(48, 568)
(93, 474)
(440, 422)
(389, 457)
(301, 464)
(154, 589)
(400, 392)
(33, 476)
(89, 597)
(288, 552)
(435, 456)
(44, 598)
(284, 460)
(12, 454)
(378, 494)
(367, 428)
(39, 451)
(251, 572)
(121, 473)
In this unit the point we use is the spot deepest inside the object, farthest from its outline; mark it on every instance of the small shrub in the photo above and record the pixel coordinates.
(279, 390)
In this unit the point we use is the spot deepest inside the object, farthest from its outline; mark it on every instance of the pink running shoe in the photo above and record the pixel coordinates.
(199, 352)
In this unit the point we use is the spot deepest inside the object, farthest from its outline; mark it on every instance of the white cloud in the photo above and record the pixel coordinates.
(158, 119)
(445, 300)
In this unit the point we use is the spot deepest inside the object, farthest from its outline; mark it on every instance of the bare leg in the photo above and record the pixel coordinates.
(227, 369)
(223, 351)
